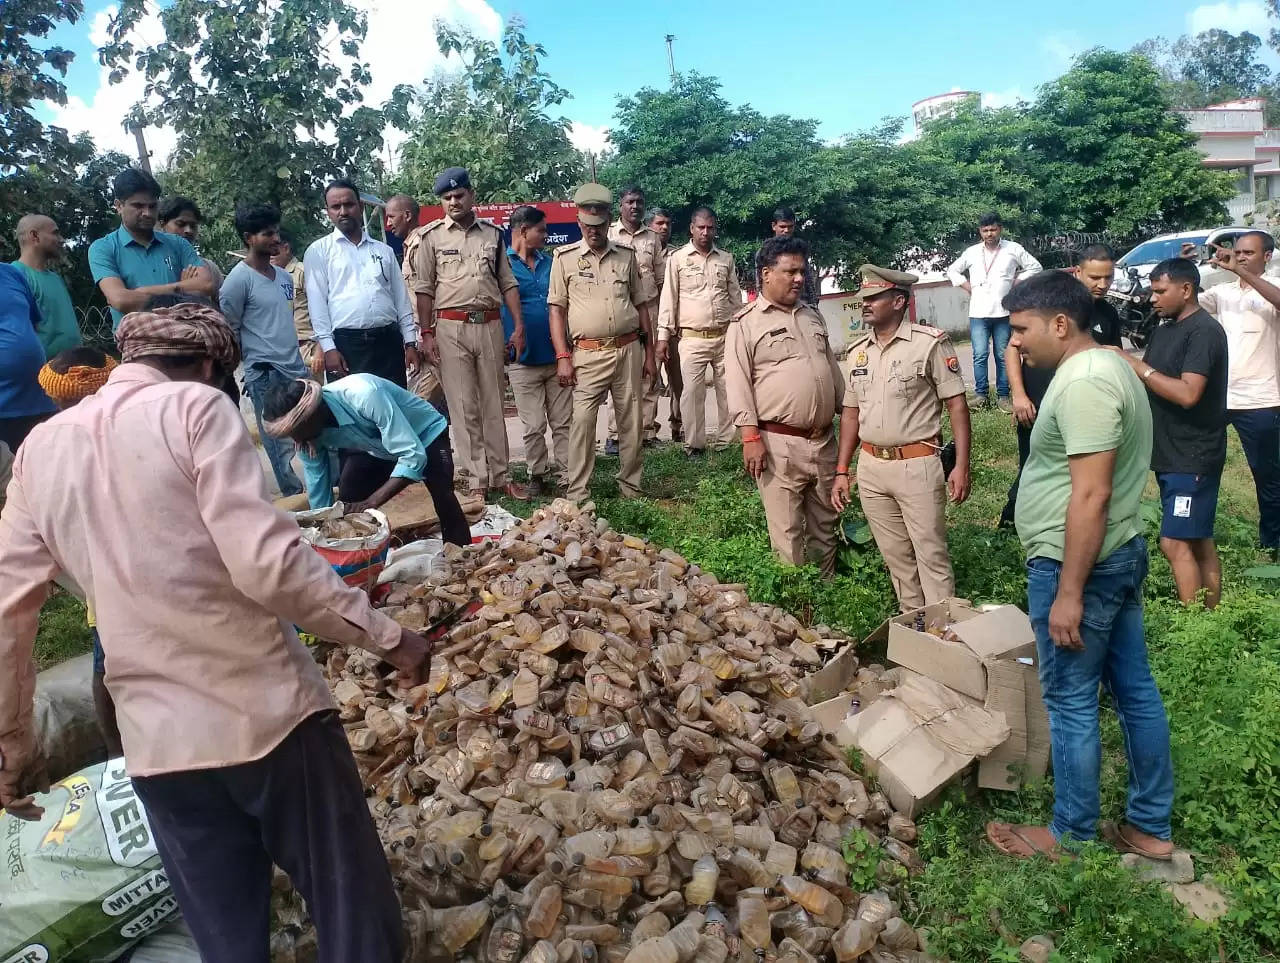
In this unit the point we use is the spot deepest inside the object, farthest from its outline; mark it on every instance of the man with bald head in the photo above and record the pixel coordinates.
(40, 244)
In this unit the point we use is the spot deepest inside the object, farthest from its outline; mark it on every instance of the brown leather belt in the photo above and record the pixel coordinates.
(709, 334)
(470, 317)
(917, 449)
(604, 344)
(778, 428)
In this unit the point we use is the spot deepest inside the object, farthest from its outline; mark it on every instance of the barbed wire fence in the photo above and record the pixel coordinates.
(95, 327)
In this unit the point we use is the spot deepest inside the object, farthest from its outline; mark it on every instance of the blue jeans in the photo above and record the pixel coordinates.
(279, 450)
(985, 334)
(1115, 655)
(1259, 431)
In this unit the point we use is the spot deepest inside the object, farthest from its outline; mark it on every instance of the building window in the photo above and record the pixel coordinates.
(1262, 188)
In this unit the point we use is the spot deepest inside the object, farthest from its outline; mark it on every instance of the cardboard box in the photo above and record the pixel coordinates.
(919, 737)
(1001, 633)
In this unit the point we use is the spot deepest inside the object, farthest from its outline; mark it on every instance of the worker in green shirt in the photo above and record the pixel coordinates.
(40, 243)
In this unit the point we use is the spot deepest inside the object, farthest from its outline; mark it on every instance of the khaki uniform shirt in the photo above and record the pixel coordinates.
(779, 367)
(898, 389)
(301, 315)
(649, 255)
(601, 292)
(698, 292)
(462, 269)
(408, 264)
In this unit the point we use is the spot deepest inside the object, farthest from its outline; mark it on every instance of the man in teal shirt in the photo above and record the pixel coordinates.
(136, 262)
(365, 413)
(1078, 517)
(40, 243)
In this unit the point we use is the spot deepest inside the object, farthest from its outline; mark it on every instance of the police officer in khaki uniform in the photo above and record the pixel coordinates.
(899, 376)
(785, 389)
(630, 231)
(660, 223)
(700, 296)
(462, 276)
(598, 313)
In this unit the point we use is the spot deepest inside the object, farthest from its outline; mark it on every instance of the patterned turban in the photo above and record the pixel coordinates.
(76, 384)
(307, 406)
(184, 329)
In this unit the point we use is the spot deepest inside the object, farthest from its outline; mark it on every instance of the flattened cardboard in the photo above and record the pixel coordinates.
(1003, 632)
(1038, 745)
(832, 678)
(1006, 693)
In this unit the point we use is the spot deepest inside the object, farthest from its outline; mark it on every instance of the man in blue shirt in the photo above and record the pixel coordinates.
(23, 404)
(136, 262)
(368, 414)
(540, 398)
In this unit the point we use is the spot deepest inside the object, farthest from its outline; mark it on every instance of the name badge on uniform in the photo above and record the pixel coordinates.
(590, 276)
(452, 250)
(777, 331)
(858, 371)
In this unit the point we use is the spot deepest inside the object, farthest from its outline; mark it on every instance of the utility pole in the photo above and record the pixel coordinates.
(671, 57)
(144, 156)
(592, 155)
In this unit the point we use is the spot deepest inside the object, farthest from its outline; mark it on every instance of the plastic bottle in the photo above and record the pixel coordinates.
(615, 865)
(543, 951)
(684, 935)
(780, 860)
(464, 858)
(660, 949)
(824, 907)
(753, 922)
(563, 807)
(606, 883)
(547, 773)
(650, 927)
(656, 750)
(506, 939)
(459, 826)
(658, 882)
(758, 838)
(701, 888)
(749, 870)
(457, 926)
(611, 806)
(711, 950)
(852, 940)
(640, 841)
(544, 912)
(827, 863)
(786, 788)
(721, 827)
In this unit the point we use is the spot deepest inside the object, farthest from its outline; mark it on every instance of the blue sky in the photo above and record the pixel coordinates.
(846, 64)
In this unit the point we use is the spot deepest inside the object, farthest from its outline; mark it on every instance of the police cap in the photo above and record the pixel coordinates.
(878, 280)
(592, 194)
(451, 178)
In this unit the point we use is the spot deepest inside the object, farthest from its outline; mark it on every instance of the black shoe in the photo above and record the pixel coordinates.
(677, 433)
(696, 452)
(649, 443)
(611, 446)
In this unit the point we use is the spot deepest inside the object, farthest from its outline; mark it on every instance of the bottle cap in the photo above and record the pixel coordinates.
(456, 858)
(579, 859)
(486, 830)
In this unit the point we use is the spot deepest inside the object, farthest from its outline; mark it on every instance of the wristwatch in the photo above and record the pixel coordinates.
(1148, 373)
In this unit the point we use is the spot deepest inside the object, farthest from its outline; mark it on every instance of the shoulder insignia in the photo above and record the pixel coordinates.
(862, 337)
(929, 329)
(739, 315)
(431, 226)
(619, 242)
(564, 249)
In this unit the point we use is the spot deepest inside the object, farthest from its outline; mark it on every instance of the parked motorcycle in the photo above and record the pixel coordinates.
(1132, 302)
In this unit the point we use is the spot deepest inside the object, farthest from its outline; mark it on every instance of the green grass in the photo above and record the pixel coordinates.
(63, 631)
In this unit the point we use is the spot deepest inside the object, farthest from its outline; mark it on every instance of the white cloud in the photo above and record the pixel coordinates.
(392, 60)
(587, 137)
(996, 99)
(1062, 47)
(1235, 17)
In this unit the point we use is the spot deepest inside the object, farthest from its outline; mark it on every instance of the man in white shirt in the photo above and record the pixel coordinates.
(993, 265)
(360, 309)
(1247, 310)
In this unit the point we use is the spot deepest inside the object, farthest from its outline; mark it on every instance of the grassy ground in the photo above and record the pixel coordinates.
(1219, 674)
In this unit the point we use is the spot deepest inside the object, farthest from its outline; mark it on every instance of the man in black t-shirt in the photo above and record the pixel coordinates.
(1185, 371)
(1027, 385)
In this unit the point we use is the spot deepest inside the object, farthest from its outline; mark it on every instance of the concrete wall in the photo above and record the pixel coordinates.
(937, 302)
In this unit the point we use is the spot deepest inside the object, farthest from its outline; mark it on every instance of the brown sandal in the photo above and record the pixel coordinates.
(1008, 838)
(1121, 842)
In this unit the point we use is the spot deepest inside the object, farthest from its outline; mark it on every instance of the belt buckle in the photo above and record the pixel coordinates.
(475, 317)
(887, 452)
(816, 433)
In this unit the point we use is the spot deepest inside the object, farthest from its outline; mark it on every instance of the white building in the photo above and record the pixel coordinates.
(939, 105)
(1233, 137)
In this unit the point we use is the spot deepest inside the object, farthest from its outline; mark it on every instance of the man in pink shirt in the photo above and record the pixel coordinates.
(150, 496)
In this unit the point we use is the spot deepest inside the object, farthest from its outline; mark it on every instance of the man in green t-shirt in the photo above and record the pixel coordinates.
(1078, 519)
(40, 243)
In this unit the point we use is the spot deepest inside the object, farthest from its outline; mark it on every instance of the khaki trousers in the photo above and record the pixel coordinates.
(648, 412)
(796, 490)
(471, 362)
(615, 372)
(541, 401)
(695, 355)
(905, 504)
(313, 358)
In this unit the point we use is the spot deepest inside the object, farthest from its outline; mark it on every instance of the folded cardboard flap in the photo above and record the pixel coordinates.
(919, 736)
(1003, 632)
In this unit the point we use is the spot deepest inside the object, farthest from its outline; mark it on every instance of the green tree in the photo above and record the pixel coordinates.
(1210, 67)
(493, 117)
(687, 146)
(30, 73)
(1113, 157)
(266, 100)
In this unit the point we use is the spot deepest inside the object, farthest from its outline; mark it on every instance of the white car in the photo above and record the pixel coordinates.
(1148, 254)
